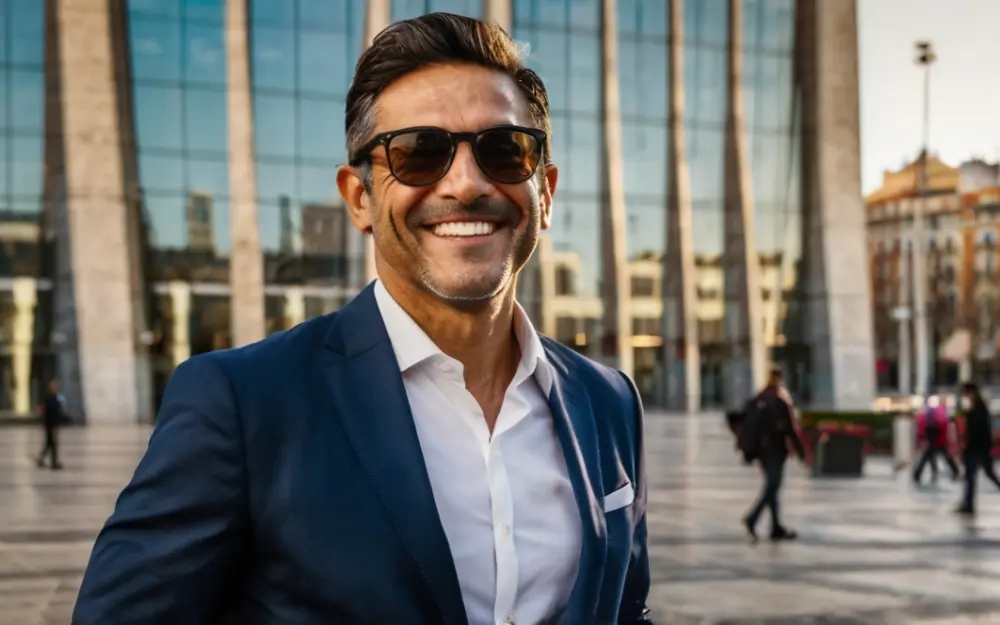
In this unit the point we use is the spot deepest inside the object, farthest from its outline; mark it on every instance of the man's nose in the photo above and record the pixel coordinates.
(465, 181)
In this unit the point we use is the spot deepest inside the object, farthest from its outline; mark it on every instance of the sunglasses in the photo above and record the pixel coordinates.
(423, 155)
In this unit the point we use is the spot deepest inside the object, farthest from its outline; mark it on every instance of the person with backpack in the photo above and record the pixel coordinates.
(765, 434)
(932, 429)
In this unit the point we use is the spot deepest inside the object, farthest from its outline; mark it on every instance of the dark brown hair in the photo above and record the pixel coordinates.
(435, 38)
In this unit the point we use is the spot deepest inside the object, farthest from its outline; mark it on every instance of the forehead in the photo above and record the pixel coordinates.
(457, 97)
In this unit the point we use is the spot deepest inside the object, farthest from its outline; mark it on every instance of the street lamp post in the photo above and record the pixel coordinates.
(925, 57)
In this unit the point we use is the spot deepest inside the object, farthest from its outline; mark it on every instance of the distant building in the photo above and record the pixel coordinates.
(198, 216)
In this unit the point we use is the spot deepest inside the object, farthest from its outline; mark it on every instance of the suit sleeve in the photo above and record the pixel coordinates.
(165, 555)
(633, 610)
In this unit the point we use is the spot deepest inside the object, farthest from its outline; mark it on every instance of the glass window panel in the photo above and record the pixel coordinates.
(275, 181)
(646, 225)
(27, 32)
(708, 226)
(705, 85)
(321, 129)
(645, 157)
(705, 152)
(26, 166)
(161, 173)
(156, 49)
(274, 118)
(204, 55)
(629, 17)
(27, 101)
(320, 56)
(551, 12)
(549, 53)
(158, 114)
(774, 94)
(651, 79)
(560, 141)
(472, 8)
(4, 120)
(766, 236)
(713, 21)
(406, 9)
(4, 173)
(653, 17)
(584, 78)
(579, 234)
(204, 10)
(205, 118)
(269, 216)
(220, 216)
(158, 8)
(273, 62)
(778, 25)
(273, 12)
(209, 177)
(769, 164)
(628, 83)
(317, 184)
(321, 14)
(585, 14)
(167, 224)
(586, 143)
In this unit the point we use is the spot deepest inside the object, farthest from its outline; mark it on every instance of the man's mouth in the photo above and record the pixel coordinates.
(459, 229)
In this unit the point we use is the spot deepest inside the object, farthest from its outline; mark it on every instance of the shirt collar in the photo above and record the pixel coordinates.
(412, 346)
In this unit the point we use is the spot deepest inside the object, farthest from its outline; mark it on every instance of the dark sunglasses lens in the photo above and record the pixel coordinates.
(508, 156)
(420, 157)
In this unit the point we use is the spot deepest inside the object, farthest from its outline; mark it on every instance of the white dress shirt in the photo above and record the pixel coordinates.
(505, 501)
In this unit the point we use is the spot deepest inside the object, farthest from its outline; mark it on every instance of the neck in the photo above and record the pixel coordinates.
(480, 335)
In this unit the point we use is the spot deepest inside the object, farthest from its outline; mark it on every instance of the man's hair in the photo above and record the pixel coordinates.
(433, 39)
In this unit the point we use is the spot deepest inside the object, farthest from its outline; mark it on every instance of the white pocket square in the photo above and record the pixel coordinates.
(619, 499)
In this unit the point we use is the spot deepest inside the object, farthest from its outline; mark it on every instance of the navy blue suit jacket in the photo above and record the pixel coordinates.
(284, 485)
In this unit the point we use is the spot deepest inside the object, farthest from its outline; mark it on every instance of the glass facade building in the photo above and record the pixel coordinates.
(140, 146)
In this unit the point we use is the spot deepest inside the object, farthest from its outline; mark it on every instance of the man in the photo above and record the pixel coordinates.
(773, 430)
(422, 455)
(977, 447)
(52, 417)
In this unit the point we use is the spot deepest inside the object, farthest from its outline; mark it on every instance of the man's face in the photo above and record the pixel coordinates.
(457, 262)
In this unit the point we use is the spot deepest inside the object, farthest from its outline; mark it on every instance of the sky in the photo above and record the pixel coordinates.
(965, 82)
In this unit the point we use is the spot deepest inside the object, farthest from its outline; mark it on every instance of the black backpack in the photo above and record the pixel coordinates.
(753, 428)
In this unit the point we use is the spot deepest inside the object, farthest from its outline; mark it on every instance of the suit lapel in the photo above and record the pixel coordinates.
(371, 403)
(577, 431)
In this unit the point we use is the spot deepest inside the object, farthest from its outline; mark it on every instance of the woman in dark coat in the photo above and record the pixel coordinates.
(978, 444)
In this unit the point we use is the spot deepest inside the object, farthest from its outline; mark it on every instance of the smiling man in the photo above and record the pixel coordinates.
(422, 455)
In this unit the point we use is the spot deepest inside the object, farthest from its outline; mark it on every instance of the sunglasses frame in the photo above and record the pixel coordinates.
(385, 138)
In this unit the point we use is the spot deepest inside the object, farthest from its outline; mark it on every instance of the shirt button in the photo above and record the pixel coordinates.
(509, 620)
(506, 532)
(444, 367)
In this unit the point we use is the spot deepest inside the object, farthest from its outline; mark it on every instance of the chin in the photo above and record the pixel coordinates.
(457, 292)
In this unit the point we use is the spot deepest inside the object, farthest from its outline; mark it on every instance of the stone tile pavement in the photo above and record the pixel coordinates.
(872, 551)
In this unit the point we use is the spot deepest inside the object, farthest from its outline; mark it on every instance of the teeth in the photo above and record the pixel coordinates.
(464, 229)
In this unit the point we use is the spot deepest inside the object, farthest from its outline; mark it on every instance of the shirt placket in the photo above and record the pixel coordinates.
(502, 508)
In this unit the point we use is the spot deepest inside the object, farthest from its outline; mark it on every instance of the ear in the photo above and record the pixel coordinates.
(549, 179)
(352, 188)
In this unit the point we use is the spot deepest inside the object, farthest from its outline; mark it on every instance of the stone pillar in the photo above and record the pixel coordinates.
(615, 281)
(743, 372)
(377, 17)
(246, 263)
(25, 296)
(180, 315)
(295, 305)
(96, 313)
(904, 359)
(681, 347)
(838, 302)
(501, 12)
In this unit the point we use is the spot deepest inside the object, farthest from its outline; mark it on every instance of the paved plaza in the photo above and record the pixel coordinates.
(875, 550)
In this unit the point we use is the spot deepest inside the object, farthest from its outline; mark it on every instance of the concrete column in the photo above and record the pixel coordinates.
(744, 371)
(246, 262)
(681, 347)
(838, 302)
(377, 17)
(501, 12)
(180, 314)
(25, 296)
(615, 283)
(96, 315)
(295, 305)
(904, 359)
